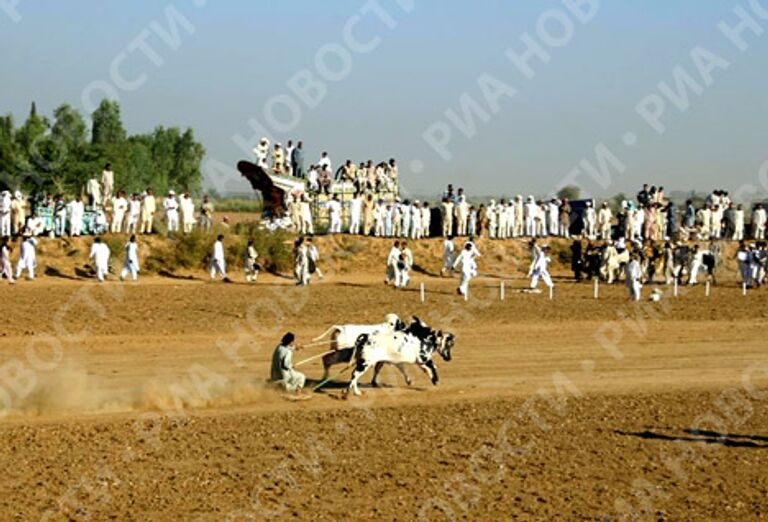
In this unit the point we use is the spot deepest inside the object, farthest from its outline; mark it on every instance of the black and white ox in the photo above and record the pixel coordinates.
(416, 345)
(343, 337)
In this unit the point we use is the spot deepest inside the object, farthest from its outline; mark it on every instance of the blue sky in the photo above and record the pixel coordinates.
(233, 57)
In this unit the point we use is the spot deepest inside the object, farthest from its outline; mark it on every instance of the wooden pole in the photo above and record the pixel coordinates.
(674, 291)
(317, 343)
(551, 292)
(502, 292)
(422, 292)
(310, 359)
(596, 288)
(706, 289)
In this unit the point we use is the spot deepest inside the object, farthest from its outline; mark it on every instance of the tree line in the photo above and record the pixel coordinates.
(59, 155)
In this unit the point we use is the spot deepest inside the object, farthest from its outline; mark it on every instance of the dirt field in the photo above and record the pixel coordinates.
(147, 402)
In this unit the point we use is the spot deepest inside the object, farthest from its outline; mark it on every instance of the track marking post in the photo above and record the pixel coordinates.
(596, 288)
(422, 292)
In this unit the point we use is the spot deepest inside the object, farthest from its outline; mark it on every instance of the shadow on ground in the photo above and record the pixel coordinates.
(731, 440)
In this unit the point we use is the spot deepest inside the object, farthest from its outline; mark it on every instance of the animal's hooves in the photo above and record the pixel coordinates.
(374, 384)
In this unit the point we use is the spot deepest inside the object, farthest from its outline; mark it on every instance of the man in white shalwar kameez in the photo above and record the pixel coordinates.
(468, 268)
(355, 213)
(334, 215)
(119, 207)
(305, 211)
(540, 267)
(392, 259)
(93, 190)
(301, 263)
(449, 253)
(218, 263)
(100, 256)
(107, 182)
(131, 260)
(530, 211)
(171, 207)
(313, 254)
(187, 207)
(696, 263)
(604, 217)
(282, 371)
(148, 206)
(403, 266)
(634, 275)
(76, 213)
(134, 212)
(27, 258)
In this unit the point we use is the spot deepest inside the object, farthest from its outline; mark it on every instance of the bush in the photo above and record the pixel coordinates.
(188, 251)
(116, 246)
(274, 248)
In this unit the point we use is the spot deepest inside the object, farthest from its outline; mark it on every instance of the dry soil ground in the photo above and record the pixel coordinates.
(147, 402)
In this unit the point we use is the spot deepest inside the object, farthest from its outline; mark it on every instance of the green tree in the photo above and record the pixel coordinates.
(69, 128)
(107, 125)
(164, 158)
(60, 158)
(569, 191)
(8, 153)
(28, 137)
(188, 157)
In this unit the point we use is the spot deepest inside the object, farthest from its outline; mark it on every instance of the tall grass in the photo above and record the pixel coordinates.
(238, 205)
(194, 250)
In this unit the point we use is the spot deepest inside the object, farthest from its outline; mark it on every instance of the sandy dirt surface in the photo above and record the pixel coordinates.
(148, 402)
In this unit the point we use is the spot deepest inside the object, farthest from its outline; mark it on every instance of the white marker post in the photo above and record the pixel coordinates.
(551, 292)
(422, 292)
(744, 288)
(596, 288)
(502, 291)
(706, 289)
(674, 290)
(466, 294)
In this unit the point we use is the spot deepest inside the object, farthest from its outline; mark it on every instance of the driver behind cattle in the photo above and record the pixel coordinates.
(282, 366)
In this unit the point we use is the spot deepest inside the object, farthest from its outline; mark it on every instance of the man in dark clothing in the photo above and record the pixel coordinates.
(297, 160)
(577, 259)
